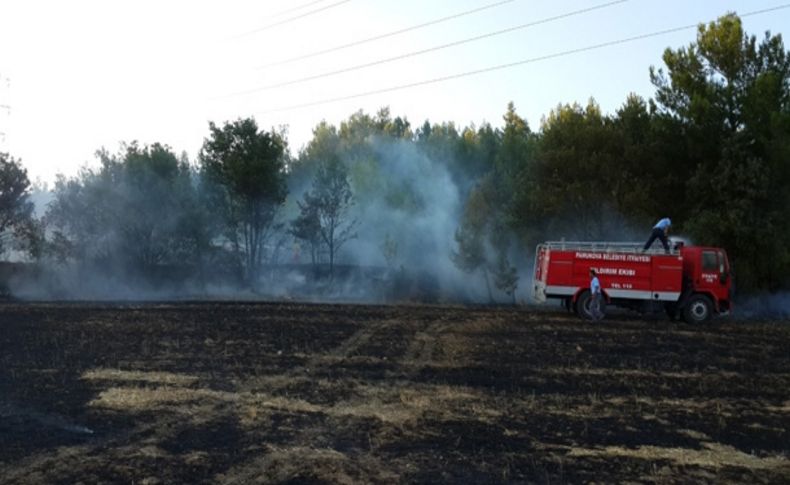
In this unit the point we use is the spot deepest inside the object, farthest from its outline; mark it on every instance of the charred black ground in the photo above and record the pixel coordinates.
(301, 393)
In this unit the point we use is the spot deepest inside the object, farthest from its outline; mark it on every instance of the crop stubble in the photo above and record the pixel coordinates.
(278, 392)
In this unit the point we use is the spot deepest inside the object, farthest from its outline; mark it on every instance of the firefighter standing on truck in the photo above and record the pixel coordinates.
(660, 231)
(597, 296)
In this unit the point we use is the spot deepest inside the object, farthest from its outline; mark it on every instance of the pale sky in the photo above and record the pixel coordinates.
(86, 74)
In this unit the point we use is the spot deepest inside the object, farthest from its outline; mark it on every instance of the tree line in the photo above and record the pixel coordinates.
(711, 149)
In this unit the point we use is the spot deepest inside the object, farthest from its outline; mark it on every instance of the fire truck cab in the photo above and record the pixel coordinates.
(690, 282)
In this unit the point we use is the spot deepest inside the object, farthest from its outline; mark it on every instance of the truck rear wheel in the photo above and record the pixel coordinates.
(583, 303)
(698, 309)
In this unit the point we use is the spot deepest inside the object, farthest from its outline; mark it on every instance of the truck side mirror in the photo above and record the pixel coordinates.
(723, 278)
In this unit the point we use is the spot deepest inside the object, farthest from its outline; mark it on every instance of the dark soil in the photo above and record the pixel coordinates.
(301, 393)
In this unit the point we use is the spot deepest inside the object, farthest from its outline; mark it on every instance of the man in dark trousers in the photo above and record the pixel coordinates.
(597, 297)
(660, 231)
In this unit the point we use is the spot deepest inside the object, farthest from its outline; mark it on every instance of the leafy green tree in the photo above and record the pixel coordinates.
(129, 212)
(632, 127)
(15, 207)
(394, 128)
(329, 203)
(152, 188)
(505, 275)
(566, 190)
(80, 220)
(325, 143)
(515, 151)
(440, 143)
(479, 149)
(731, 94)
(470, 237)
(307, 227)
(646, 175)
(467, 153)
(245, 169)
(490, 219)
(484, 239)
(356, 131)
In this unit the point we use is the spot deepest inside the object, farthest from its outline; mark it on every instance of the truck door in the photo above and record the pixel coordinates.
(714, 274)
(725, 279)
(709, 273)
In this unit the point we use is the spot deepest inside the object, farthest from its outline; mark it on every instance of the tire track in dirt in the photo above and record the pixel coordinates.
(441, 338)
(352, 345)
(283, 463)
(420, 352)
(389, 339)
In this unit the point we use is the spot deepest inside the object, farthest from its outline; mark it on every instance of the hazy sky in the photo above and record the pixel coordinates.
(83, 74)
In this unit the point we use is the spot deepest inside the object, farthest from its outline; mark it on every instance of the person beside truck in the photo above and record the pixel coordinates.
(597, 296)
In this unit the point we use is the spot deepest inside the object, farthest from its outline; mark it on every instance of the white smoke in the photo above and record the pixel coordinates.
(766, 306)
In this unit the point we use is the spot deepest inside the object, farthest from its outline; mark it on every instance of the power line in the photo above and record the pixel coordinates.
(291, 19)
(293, 9)
(384, 36)
(511, 64)
(5, 107)
(430, 49)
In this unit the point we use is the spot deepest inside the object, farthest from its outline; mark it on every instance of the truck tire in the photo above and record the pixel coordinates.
(583, 305)
(698, 309)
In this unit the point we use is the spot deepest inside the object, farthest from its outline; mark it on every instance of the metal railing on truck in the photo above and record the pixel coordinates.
(610, 247)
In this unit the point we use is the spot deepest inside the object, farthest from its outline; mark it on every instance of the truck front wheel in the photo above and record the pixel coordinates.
(698, 309)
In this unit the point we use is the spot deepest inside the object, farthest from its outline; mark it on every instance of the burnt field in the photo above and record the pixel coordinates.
(299, 393)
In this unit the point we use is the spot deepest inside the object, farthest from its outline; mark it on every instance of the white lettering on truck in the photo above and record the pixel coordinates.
(631, 258)
(589, 255)
(709, 277)
(616, 271)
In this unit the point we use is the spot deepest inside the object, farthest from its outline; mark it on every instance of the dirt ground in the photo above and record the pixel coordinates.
(240, 393)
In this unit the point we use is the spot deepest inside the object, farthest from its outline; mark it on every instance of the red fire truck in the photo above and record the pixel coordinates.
(690, 281)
